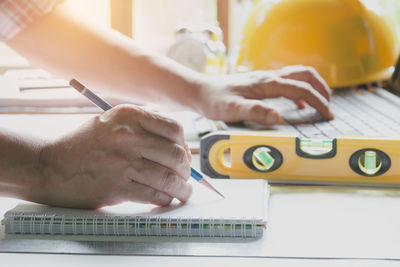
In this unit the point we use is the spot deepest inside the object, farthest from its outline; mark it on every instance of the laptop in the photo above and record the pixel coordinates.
(371, 110)
(367, 110)
(358, 147)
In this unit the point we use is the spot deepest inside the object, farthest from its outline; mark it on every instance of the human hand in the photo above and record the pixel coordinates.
(125, 154)
(236, 97)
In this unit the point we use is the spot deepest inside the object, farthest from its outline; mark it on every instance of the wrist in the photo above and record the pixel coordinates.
(20, 171)
(38, 186)
(178, 85)
(199, 91)
(195, 91)
(207, 95)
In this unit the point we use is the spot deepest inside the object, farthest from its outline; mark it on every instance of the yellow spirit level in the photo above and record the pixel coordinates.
(286, 158)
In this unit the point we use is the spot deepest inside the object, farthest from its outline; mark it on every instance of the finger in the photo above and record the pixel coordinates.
(155, 148)
(309, 75)
(298, 90)
(149, 121)
(165, 127)
(159, 178)
(188, 152)
(250, 110)
(300, 104)
(137, 192)
(162, 126)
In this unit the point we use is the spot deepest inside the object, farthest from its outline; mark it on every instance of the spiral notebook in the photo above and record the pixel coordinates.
(242, 213)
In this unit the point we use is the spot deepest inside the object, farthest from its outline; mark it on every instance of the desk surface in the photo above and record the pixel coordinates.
(39, 260)
(304, 222)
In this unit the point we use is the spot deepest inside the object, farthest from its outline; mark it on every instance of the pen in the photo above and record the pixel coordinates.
(106, 106)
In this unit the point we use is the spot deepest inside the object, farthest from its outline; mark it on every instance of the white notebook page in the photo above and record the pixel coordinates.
(244, 199)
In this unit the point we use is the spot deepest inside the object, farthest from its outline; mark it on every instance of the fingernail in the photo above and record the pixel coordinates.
(105, 116)
(189, 154)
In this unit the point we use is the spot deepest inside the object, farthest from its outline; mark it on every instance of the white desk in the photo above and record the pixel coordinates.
(304, 222)
(40, 260)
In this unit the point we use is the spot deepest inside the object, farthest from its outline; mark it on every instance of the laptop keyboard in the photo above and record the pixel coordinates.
(357, 112)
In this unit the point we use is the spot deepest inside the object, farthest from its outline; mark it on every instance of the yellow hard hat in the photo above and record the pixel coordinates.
(346, 41)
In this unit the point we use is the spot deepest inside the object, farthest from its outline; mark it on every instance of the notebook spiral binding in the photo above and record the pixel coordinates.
(22, 223)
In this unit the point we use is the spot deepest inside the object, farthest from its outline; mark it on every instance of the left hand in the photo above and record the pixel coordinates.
(124, 154)
(237, 97)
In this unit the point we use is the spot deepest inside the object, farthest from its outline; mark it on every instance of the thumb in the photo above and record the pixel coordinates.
(256, 111)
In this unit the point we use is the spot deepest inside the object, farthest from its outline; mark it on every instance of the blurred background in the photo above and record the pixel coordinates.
(196, 33)
(153, 22)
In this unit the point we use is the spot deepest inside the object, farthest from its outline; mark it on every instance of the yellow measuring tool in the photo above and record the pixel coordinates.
(286, 158)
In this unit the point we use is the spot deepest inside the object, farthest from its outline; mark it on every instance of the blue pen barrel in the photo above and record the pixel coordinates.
(199, 177)
(105, 106)
(195, 174)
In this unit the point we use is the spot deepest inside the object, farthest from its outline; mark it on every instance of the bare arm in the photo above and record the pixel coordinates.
(102, 58)
(107, 60)
(124, 154)
(20, 174)
(129, 154)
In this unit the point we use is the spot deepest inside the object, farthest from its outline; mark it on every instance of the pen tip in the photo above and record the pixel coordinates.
(204, 182)
(219, 193)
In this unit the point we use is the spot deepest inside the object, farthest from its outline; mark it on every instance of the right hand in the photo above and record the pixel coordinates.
(125, 154)
(238, 97)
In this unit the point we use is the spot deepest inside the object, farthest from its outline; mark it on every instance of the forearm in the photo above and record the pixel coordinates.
(20, 170)
(104, 59)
